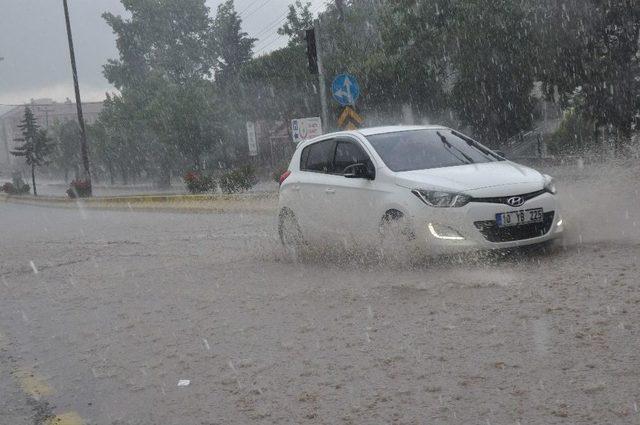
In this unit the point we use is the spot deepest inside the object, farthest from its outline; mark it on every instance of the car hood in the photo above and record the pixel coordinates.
(487, 179)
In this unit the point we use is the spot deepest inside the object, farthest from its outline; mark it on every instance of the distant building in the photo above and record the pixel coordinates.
(47, 112)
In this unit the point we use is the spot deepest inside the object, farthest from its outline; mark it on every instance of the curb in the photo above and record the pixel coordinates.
(248, 202)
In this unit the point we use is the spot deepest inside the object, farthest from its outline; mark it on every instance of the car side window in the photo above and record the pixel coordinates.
(348, 153)
(318, 157)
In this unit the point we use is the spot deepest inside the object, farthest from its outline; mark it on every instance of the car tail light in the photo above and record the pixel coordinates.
(284, 176)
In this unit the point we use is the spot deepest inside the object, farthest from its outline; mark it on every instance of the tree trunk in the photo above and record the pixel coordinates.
(164, 177)
(33, 179)
(125, 175)
(111, 178)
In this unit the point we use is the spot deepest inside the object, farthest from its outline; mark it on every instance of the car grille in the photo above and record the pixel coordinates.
(503, 199)
(493, 233)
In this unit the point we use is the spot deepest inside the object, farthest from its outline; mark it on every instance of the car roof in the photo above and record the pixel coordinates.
(395, 128)
(370, 131)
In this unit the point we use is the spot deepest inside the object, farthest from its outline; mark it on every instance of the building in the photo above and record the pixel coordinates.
(47, 113)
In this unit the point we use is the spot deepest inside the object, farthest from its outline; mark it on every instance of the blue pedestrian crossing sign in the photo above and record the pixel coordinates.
(345, 89)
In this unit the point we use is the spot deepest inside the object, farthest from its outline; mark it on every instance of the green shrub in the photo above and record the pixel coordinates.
(238, 180)
(12, 189)
(574, 136)
(199, 183)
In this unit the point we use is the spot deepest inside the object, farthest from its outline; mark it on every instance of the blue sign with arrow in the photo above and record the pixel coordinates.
(345, 89)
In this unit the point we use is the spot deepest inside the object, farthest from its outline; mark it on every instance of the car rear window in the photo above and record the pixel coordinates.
(318, 157)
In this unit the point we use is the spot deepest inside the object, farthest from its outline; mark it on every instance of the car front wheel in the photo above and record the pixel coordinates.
(290, 235)
(397, 238)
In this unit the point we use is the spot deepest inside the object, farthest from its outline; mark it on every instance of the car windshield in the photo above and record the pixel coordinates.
(424, 149)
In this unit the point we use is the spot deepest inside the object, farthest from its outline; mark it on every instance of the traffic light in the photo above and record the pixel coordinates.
(312, 53)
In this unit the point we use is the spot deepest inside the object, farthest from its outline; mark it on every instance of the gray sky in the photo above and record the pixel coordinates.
(36, 57)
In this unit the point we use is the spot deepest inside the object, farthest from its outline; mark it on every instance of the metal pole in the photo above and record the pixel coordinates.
(321, 80)
(83, 133)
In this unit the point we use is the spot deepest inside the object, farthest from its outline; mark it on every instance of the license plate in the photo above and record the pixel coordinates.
(518, 218)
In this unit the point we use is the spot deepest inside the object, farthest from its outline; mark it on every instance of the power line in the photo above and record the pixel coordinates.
(248, 7)
(279, 19)
(262, 46)
(269, 44)
(266, 39)
(256, 9)
(271, 25)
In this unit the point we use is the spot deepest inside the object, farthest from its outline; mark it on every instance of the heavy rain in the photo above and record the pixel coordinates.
(322, 212)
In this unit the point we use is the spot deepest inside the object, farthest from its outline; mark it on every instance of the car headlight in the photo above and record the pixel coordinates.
(439, 231)
(550, 185)
(438, 199)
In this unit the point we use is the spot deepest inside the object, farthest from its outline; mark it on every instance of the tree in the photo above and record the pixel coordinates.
(492, 60)
(413, 67)
(171, 39)
(66, 155)
(593, 47)
(234, 46)
(279, 87)
(36, 145)
(190, 116)
(167, 52)
(299, 18)
(472, 56)
(125, 141)
(235, 49)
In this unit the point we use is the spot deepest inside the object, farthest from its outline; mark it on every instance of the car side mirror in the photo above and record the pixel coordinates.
(359, 171)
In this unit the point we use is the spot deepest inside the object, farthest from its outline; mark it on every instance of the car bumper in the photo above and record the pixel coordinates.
(473, 227)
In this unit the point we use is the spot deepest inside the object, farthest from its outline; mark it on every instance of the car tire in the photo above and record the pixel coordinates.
(290, 234)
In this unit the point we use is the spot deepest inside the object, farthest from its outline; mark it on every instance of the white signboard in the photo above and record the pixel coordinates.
(306, 128)
(251, 137)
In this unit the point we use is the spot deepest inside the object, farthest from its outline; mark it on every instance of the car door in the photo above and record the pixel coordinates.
(316, 165)
(356, 201)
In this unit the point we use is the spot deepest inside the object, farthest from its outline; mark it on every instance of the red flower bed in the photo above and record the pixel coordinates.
(79, 189)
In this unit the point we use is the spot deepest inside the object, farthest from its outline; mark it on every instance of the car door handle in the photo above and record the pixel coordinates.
(330, 191)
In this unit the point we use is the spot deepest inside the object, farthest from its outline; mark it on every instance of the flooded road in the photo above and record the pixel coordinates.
(102, 314)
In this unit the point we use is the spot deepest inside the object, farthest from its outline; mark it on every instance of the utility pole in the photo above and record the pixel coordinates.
(321, 79)
(83, 133)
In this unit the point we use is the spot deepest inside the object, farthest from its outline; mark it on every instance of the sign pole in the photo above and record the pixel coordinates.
(321, 80)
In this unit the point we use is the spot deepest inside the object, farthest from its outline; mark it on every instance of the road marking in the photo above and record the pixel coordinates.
(69, 418)
(37, 387)
(32, 384)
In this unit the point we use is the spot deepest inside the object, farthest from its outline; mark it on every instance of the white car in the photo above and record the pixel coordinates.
(448, 192)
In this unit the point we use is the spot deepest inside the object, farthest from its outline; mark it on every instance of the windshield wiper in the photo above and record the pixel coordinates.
(477, 145)
(448, 145)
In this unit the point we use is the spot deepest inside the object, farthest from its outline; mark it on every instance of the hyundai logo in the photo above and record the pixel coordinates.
(515, 201)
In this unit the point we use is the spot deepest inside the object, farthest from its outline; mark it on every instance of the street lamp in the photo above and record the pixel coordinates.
(83, 133)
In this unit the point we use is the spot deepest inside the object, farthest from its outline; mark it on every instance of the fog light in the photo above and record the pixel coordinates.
(444, 232)
(560, 222)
